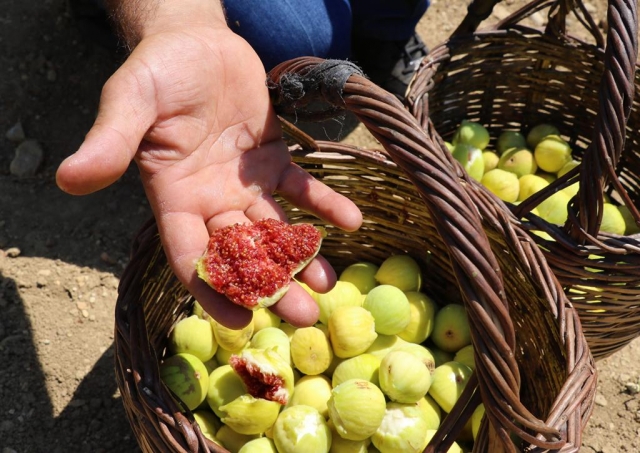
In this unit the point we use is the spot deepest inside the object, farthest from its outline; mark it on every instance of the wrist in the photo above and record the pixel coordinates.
(139, 19)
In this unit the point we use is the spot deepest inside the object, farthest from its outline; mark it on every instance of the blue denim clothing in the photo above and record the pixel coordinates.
(279, 30)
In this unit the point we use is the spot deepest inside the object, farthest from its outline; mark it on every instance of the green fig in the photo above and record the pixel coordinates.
(471, 159)
(362, 275)
(471, 133)
(519, 161)
(539, 132)
(510, 139)
(186, 376)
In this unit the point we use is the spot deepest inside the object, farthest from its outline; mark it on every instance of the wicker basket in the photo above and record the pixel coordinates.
(535, 373)
(513, 77)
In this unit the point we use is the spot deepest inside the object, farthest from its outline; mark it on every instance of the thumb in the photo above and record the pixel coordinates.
(127, 110)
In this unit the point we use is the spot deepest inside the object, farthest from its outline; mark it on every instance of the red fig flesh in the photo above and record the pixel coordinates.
(253, 264)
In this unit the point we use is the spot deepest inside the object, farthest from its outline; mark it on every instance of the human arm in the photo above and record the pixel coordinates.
(190, 106)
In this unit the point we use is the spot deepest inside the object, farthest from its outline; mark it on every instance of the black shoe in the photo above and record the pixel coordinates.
(389, 64)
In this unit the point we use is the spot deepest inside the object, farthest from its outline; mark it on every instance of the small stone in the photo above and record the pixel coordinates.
(632, 388)
(28, 157)
(15, 133)
(6, 425)
(92, 317)
(44, 272)
(8, 450)
(85, 313)
(13, 252)
(74, 312)
(81, 305)
(600, 400)
(51, 75)
(105, 257)
(46, 342)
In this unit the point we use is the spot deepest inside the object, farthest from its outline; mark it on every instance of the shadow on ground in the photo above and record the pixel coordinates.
(93, 419)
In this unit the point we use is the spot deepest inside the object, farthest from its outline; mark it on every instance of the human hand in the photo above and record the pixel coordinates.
(191, 107)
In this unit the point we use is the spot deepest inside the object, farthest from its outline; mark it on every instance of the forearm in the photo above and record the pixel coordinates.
(136, 19)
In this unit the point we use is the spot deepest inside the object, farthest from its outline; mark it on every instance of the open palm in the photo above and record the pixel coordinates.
(192, 109)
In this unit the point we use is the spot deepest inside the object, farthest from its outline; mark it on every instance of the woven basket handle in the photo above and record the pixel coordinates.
(304, 87)
(479, 10)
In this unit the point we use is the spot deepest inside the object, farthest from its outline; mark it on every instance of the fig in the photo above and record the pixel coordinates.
(440, 357)
(356, 409)
(265, 374)
(311, 351)
(186, 376)
(231, 339)
(554, 209)
(249, 415)
(519, 161)
(401, 271)
(451, 330)
(510, 139)
(313, 391)
(274, 338)
(421, 352)
(363, 366)
(232, 440)
(402, 429)
(383, 344)
(193, 336)
(390, 309)
(476, 420)
(502, 184)
(471, 159)
(351, 330)
(301, 429)
(466, 356)
(471, 133)
(549, 177)
(612, 220)
(253, 264)
(224, 386)
(630, 224)
(552, 153)
(342, 294)
(530, 184)
(491, 160)
(362, 275)
(566, 168)
(448, 382)
(263, 318)
(260, 445)
(341, 445)
(403, 377)
(431, 412)
(422, 316)
(208, 423)
(539, 132)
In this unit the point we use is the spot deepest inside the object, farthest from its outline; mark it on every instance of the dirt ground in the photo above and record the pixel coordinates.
(61, 256)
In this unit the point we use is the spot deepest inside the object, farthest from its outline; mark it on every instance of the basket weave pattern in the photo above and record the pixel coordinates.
(514, 77)
(535, 373)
